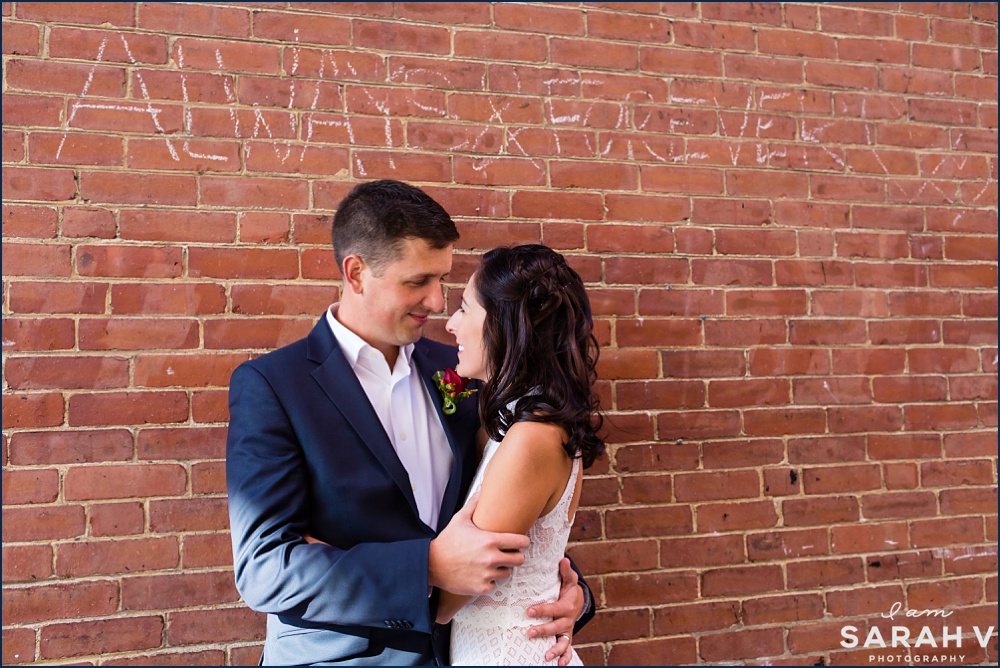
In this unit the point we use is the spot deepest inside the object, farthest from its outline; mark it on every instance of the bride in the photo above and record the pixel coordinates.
(524, 328)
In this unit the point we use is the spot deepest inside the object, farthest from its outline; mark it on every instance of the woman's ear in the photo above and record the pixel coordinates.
(353, 272)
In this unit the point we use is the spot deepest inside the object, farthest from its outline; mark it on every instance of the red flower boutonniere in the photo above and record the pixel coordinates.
(452, 388)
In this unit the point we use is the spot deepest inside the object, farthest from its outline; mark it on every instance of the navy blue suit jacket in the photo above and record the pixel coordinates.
(306, 453)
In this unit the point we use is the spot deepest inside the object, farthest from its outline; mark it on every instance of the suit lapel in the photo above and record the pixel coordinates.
(449, 502)
(341, 385)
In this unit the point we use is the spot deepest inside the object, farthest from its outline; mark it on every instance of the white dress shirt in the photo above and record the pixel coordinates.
(405, 409)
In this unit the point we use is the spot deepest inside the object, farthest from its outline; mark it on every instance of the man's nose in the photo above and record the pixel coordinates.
(434, 300)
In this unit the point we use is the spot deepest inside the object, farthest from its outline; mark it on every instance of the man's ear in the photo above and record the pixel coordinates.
(352, 271)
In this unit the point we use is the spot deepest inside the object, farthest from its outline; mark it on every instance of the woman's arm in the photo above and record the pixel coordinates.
(523, 481)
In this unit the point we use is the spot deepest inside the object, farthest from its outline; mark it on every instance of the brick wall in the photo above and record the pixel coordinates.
(786, 215)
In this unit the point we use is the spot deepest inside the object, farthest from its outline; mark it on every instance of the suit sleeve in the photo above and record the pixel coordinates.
(590, 607)
(370, 584)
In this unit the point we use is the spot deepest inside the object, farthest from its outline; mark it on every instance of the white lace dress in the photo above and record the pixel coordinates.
(491, 630)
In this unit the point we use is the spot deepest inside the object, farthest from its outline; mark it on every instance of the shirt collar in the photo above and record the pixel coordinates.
(352, 344)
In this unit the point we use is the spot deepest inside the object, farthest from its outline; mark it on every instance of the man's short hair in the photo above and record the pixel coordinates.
(376, 217)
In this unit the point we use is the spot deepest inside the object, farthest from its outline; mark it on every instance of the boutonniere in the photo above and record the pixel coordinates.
(452, 387)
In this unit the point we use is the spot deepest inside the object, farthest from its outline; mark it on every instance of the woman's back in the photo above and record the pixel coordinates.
(492, 629)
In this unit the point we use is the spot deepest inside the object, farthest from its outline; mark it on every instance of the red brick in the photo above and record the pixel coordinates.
(212, 626)
(184, 370)
(979, 444)
(100, 637)
(158, 592)
(729, 454)
(202, 514)
(695, 617)
(710, 35)
(194, 658)
(637, 522)
(955, 473)
(117, 519)
(179, 299)
(235, 56)
(968, 501)
(243, 263)
(868, 538)
(129, 261)
(650, 332)
(734, 393)
(493, 45)
(264, 227)
(193, 155)
(736, 516)
(331, 64)
(25, 411)
(837, 75)
(256, 192)
(128, 188)
(678, 651)
(680, 302)
(547, 20)
(819, 510)
(181, 443)
(27, 563)
(68, 447)
(67, 372)
(616, 625)
(863, 601)
(22, 334)
(28, 183)
(116, 556)
(644, 489)
(445, 12)
(45, 297)
(944, 594)
(85, 222)
(623, 238)
(137, 334)
(66, 78)
(33, 110)
(203, 550)
(781, 545)
(813, 573)
(646, 588)
(766, 362)
(43, 523)
(899, 505)
(30, 486)
(127, 408)
(211, 405)
(574, 206)
(698, 425)
(123, 481)
(29, 221)
(44, 602)
(741, 580)
(387, 36)
(74, 148)
(241, 123)
(766, 13)
(20, 39)
(703, 486)
(946, 531)
(65, 43)
(782, 609)
(267, 334)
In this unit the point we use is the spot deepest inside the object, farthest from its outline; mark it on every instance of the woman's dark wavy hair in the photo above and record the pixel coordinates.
(541, 352)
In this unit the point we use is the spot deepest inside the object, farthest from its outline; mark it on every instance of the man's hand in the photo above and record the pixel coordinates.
(466, 560)
(564, 613)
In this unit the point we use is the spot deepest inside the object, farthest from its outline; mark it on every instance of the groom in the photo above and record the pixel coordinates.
(346, 479)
